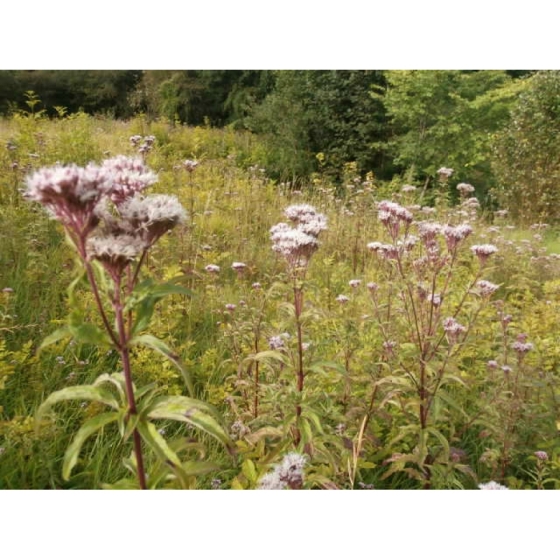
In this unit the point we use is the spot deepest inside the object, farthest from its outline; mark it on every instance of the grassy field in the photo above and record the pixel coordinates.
(414, 346)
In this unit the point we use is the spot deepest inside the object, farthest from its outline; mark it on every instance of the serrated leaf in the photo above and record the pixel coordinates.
(87, 429)
(159, 346)
(145, 298)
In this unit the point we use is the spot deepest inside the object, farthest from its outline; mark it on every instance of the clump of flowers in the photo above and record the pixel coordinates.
(297, 244)
(541, 455)
(492, 485)
(444, 173)
(486, 288)
(287, 475)
(465, 189)
(483, 252)
(143, 144)
(109, 220)
(453, 328)
(521, 346)
(190, 165)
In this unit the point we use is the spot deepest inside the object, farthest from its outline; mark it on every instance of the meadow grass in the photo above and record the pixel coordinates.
(357, 416)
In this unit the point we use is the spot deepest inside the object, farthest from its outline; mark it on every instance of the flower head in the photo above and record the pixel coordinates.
(453, 328)
(465, 188)
(483, 251)
(115, 251)
(152, 216)
(129, 176)
(492, 486)
(70, 193)
(293, 244)
(190, 165)
(455, 234)
(288, 474)
(541, 455)
(486, 288)
(445, 172)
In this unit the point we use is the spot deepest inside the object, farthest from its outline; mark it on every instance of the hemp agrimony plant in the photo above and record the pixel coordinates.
(112, 225)
(297, 244)
(425, 310)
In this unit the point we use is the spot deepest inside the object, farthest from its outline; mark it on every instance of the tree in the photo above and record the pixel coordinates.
(327, 111)
(526, 153)
(445, 118)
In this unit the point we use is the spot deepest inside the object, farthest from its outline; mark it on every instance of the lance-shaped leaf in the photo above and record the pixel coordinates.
(191, 411)
(88, 429)
(145, 298)
(53, 338)
(159, 346)
(155, 440)
(79, 392)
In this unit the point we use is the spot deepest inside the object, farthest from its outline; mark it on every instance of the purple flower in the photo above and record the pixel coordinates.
(541, 455)
(486, 288)
(483, 251)
(71, 193)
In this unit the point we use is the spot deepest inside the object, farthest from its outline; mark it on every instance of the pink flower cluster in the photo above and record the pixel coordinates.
(297, 244)
(453, 328)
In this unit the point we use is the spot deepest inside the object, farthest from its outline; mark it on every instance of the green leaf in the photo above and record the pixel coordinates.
(88, 429)
(59, 334)
(145, 298)
(79, 392)
(196, 468)
(87, 333)
(156, 344)
(267, 431)
(191, 411)
(115, 379)
(267, 356)
(249, 470)
(157, 443)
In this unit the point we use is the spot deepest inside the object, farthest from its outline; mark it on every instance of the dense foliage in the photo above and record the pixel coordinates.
(384, 122)
(332, 336)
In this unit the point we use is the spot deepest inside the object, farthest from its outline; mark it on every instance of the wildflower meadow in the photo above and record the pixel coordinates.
(173, 317)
